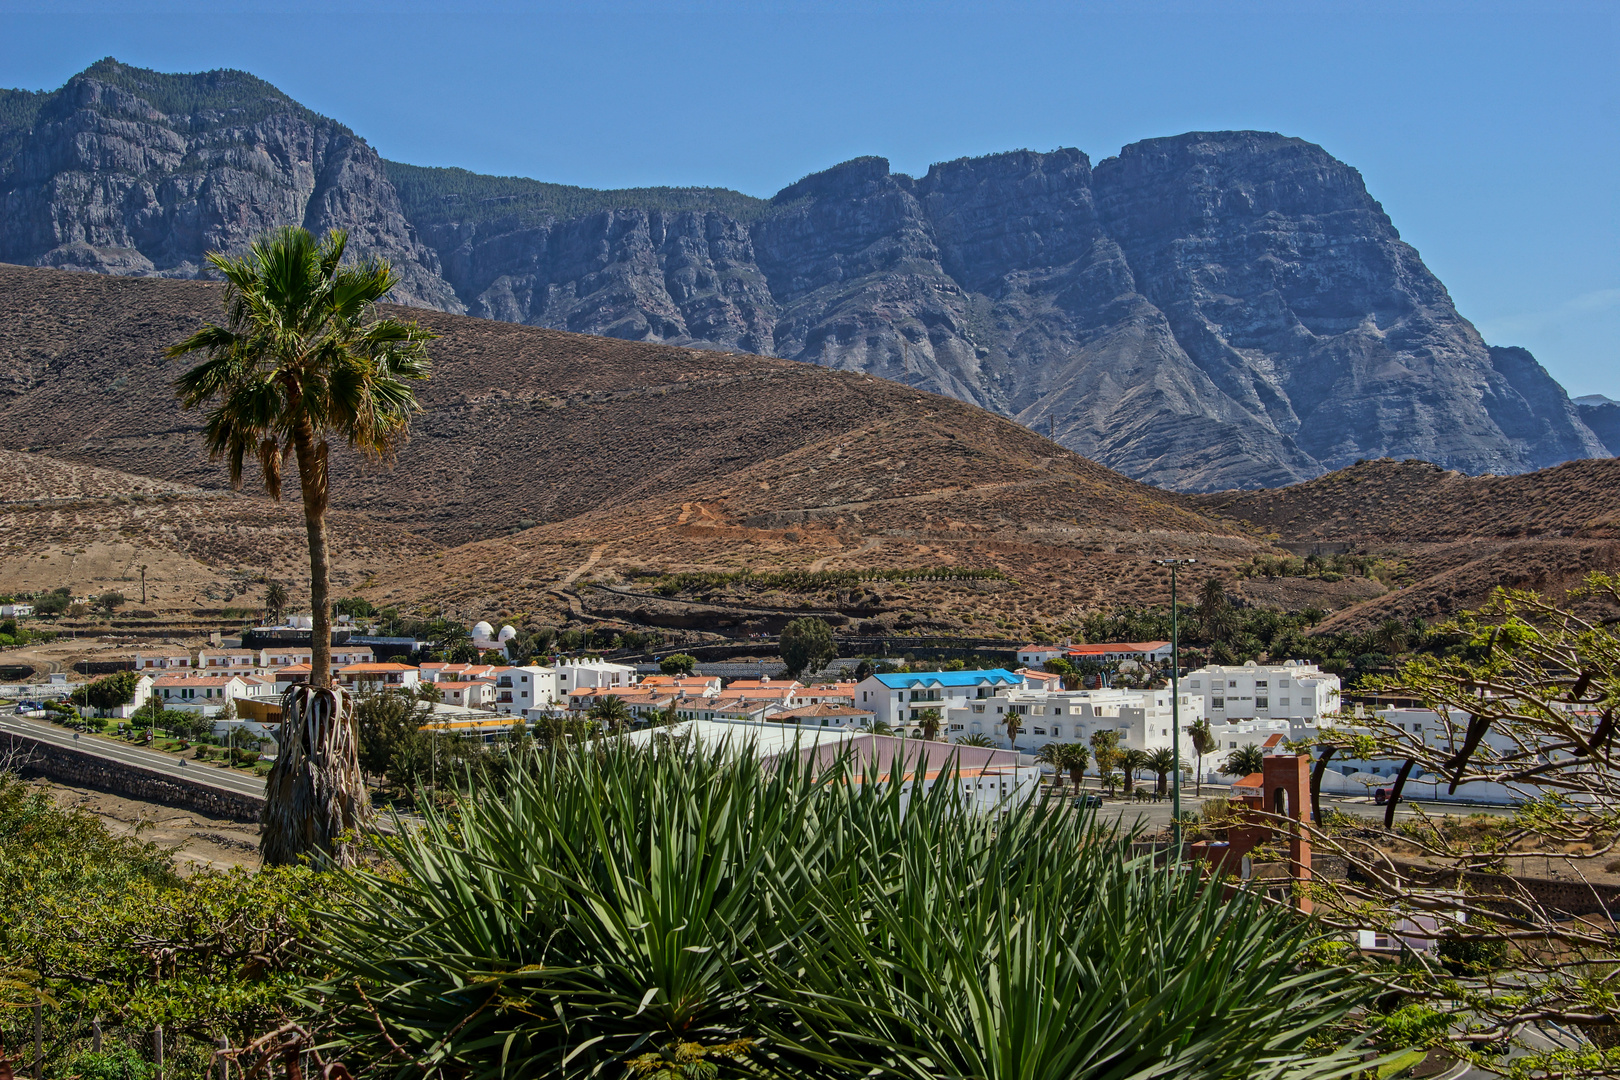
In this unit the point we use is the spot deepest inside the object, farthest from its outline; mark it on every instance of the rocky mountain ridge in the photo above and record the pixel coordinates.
(1207, 311)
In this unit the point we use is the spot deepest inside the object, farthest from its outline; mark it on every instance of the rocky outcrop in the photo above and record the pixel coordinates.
(1213, 310)
(124, 171)
(1602, 416)
(1208, 311)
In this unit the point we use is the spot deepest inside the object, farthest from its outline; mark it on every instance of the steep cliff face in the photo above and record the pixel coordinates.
(1213, 310)
(125, 171)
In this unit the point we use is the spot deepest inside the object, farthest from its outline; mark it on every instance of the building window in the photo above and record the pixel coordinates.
(1282, 703)
(1040, 731)
(1259, 684)
(1217, 703)
(1262, 703)
(1231, 746)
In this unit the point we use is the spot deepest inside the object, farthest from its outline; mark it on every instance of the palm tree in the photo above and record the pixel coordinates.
(1052, 754)
(275, 601)
(301, 359)
(1014, 724)
(975, 740)
(1075, 759)
(930, 721)
(1392, 636)
(1163, 762)
(876, 727)
(1203, 740)
(611, 713)
(1131, 762)
(1244, 760)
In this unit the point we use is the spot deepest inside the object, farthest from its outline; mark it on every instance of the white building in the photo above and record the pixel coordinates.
(363, 678)
(206, 694)
(228, 661)
(1142, 718)
(1143, 652)
(164, 660)
(580, 672)
(900, 699)
(1033, 656)
(1358, 776)
(1295, 691)
(16, 611)
(272, 657)
(478, 694)
(988, 780)
(518, 689)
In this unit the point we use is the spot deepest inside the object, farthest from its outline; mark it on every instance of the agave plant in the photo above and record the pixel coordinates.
(615, 907)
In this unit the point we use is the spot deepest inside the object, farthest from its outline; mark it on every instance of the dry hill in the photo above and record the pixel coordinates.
(1461, 536)
(560, 458)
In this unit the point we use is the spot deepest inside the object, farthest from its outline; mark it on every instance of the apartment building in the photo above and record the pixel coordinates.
(580, 672)
(1142, 718)
(228, 661)
(518, 689)
(1295, 691)
(901, 699)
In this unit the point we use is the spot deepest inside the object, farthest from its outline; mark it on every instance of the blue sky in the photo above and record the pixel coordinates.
(1490, 131)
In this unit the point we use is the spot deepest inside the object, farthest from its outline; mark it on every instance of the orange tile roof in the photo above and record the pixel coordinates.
(1116, 646)
(196, 680)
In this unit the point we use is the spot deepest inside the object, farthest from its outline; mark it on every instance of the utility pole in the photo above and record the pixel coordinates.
(1175, 704)
(143, 584)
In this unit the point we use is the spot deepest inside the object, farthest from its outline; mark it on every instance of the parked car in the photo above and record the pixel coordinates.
(1082, 801)
(1381, 796)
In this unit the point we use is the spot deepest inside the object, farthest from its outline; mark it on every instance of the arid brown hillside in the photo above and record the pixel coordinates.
(1461, 536)
(92, 529)
(524, 425)
(1415, 502)
(560, 458)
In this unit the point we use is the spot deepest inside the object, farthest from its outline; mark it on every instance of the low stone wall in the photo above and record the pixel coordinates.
(41, 759)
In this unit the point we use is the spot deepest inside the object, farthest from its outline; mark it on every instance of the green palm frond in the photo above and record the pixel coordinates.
(612, 902)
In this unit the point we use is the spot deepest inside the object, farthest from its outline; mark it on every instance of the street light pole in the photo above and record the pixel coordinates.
(1175, 705)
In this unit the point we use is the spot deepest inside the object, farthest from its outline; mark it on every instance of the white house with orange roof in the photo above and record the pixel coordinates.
(835, 693)
(1143, 652)
(1035, 655)
(437, 672)
(826, 714)
(361, 678)
(1040, 680)
(206, 694)
(685, 685)
(469, 694)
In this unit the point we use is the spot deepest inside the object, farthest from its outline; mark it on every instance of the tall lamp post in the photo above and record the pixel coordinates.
(1175, 704)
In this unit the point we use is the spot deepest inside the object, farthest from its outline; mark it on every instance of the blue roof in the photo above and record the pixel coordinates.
(950, 678)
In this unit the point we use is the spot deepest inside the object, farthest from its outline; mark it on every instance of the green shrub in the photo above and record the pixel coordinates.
(116, 1063)
(614, 905)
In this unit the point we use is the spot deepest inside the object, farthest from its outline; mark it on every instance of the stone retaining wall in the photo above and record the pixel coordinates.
(53, 762)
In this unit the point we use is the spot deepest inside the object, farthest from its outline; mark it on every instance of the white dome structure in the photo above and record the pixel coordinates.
(482, 631)
(506, 634)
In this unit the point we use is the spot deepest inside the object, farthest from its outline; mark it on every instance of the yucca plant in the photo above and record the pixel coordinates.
(680, 904)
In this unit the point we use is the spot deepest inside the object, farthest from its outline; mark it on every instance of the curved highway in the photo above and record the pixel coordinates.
(231, 780)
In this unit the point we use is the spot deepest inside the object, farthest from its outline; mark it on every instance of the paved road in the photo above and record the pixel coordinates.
(226, 779)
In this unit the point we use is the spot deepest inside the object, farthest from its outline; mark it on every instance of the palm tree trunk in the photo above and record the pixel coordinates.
(312, 482)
